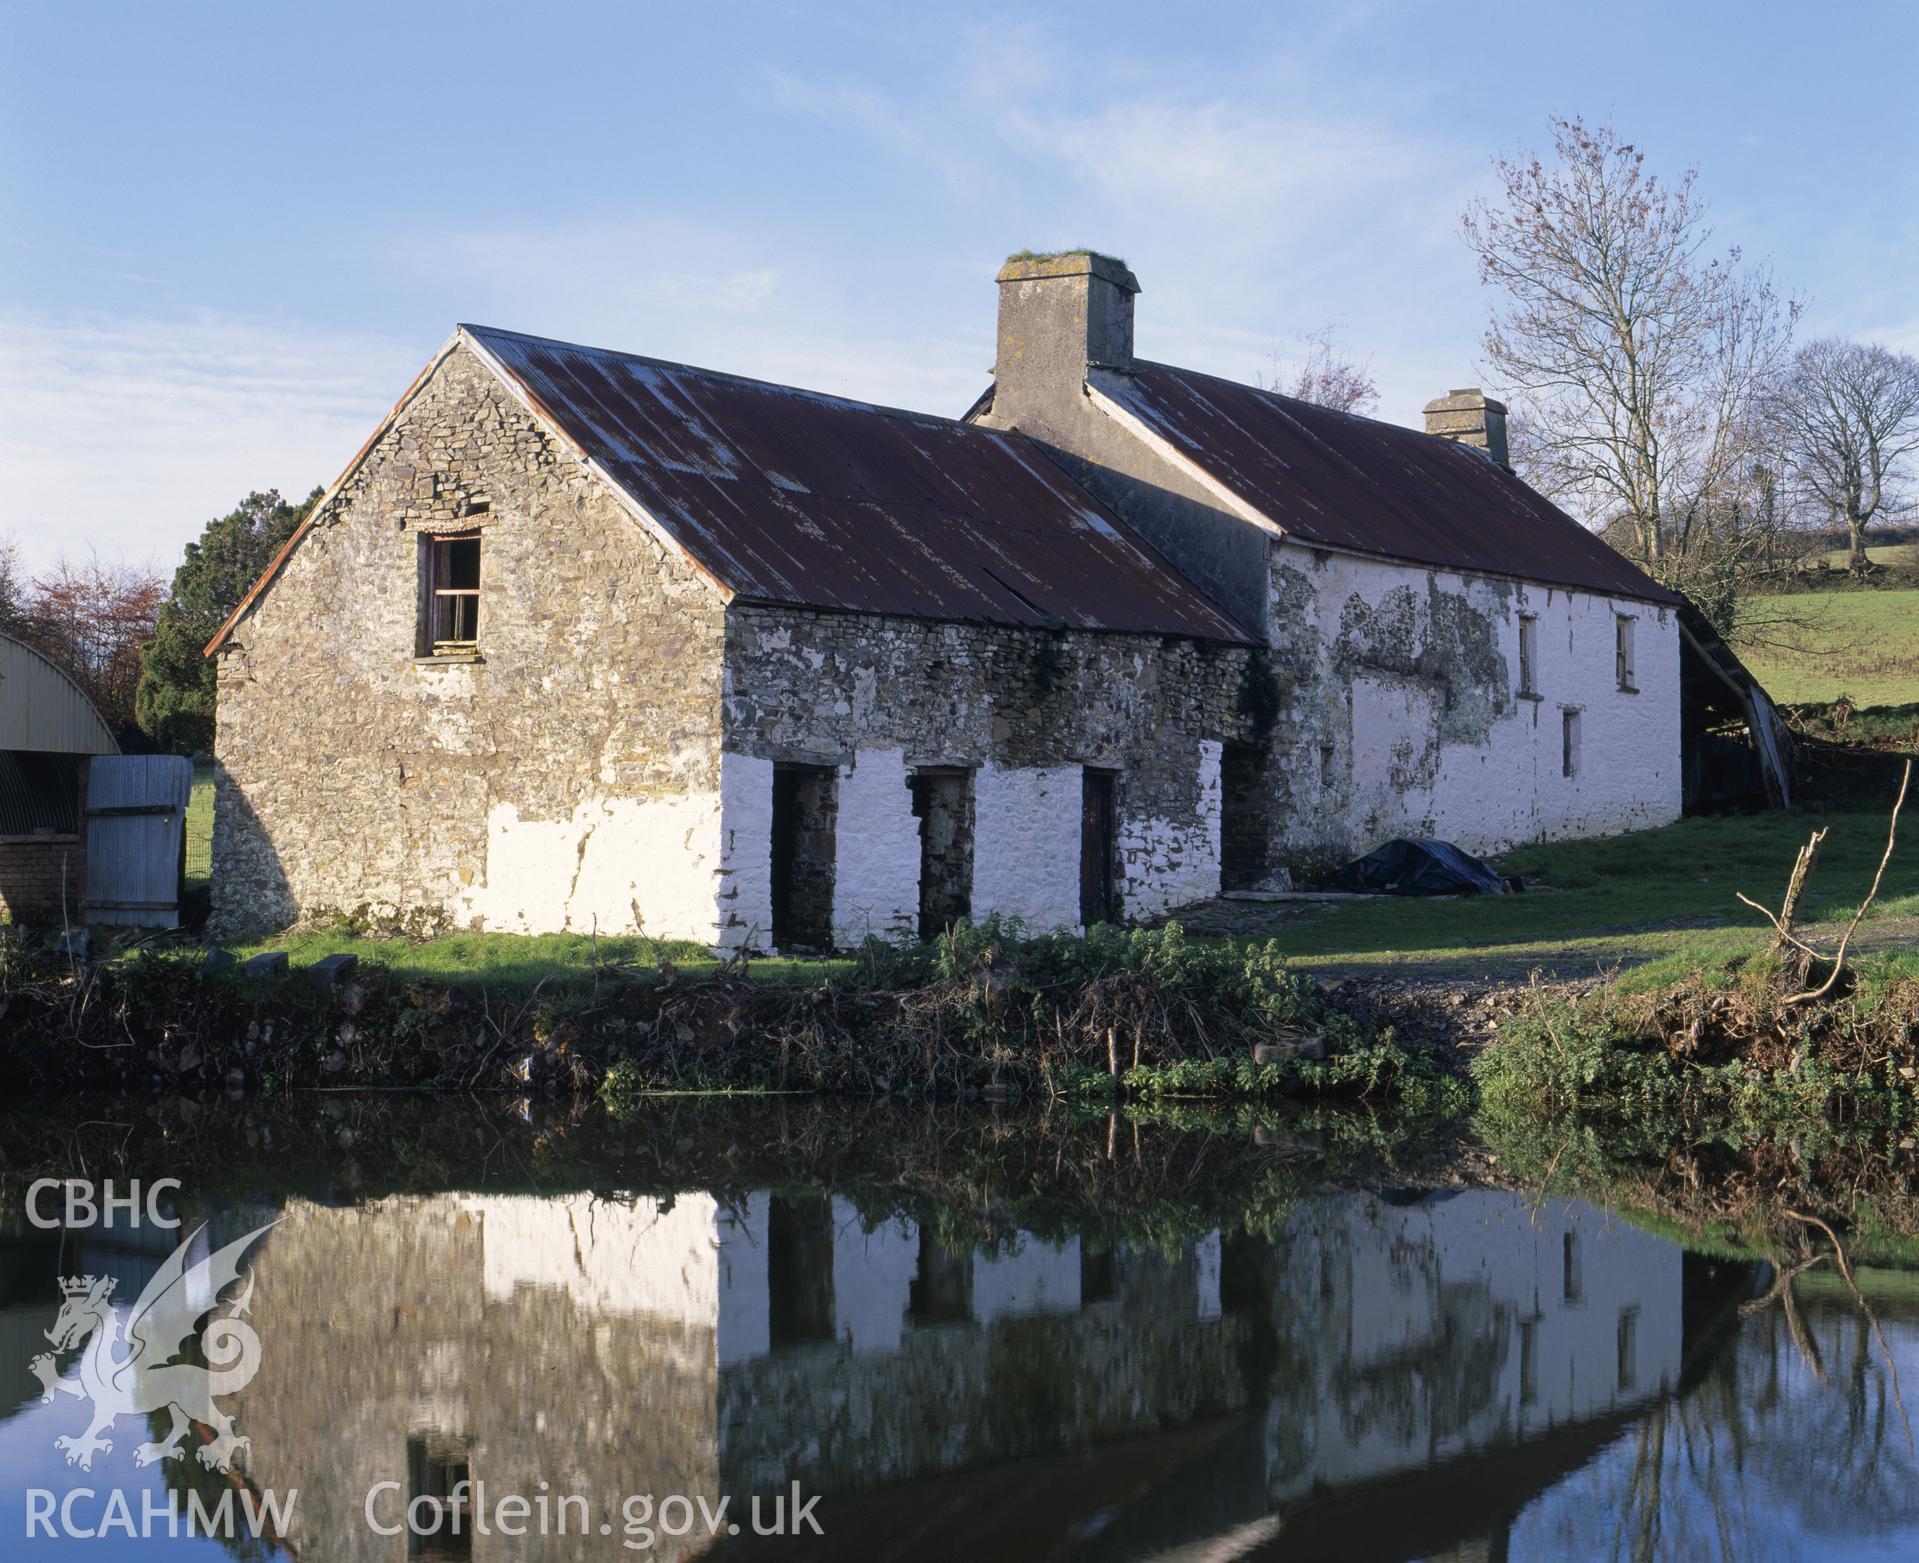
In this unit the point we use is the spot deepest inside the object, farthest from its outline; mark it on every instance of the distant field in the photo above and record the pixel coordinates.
(1861, 644)
(1893, 556)
(200, 827)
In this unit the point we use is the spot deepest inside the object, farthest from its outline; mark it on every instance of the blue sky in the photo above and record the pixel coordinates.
(231, 233)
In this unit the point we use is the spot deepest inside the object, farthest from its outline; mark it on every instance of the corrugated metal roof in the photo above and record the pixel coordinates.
(1378, 488)
(44, 711)
(792, 496)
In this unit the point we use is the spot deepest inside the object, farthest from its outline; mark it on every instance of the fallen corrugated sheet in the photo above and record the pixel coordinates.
(791, 496)
(1354, 483)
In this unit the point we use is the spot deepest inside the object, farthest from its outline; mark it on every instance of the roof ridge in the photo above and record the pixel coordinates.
(727, 375)
(1291, 401)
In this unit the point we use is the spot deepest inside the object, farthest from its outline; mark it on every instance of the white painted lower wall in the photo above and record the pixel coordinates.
(746, 852)
(614, 865)
(1026, 835)
(876, 845)
(1026, 848)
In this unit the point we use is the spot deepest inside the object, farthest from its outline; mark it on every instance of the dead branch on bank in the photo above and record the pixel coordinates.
(1788, 912)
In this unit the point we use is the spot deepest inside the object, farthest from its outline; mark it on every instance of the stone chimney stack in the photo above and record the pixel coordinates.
(1473, 418)
(1059, 315)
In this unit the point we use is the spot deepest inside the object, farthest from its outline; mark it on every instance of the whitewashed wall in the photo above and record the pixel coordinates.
(876, 843)
(1166, 863)
(1426, 744)
(1026, 836)
(615, 865)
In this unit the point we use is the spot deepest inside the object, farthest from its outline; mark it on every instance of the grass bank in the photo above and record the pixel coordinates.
(1657, 895)
(985, 1011)
(1717, 1050)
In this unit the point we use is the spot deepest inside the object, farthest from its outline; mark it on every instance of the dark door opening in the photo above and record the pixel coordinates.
(942, 1287)
(1097, 902)
(943, 804)
(1242, 817)
(805, 805)
(799, 1269)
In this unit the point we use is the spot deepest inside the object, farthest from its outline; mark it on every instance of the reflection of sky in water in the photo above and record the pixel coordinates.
(1766, 1457)
(1387, 1376)
(28, 1458)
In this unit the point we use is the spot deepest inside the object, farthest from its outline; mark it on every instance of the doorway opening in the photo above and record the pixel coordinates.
(1242, 817)
(805, 810)
(1098, 901)
(799, 1269)
(943, 804)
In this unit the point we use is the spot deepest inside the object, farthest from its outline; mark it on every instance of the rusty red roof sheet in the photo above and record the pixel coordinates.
(1354, 483)
(791, 496)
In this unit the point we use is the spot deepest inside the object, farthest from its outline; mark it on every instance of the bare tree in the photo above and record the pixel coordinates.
(1849, 414)
(1325, 375)
(13, 585)
(92, 619)
(1636, 359)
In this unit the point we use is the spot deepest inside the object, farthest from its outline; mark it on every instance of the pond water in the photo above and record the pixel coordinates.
(906, 1335)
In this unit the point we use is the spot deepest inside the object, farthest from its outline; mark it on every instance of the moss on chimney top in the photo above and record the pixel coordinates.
(1031, 265)
(1078, 249)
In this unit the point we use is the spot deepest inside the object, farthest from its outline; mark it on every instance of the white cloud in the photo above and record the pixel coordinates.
(127, 435)
(1251, 207)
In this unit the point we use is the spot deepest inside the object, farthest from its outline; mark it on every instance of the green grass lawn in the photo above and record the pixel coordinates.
(1663, 894)
(1861, 644)
(200, 827)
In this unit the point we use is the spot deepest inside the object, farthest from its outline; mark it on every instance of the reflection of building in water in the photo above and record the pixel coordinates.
(1418, 1332)
(649, 1346)
(615, 1346)
(1791, 1442)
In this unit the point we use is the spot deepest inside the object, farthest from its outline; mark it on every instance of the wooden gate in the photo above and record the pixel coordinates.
(136, 838)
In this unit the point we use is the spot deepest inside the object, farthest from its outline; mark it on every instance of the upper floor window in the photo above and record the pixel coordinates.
(1623, 653)
(452, 598)
(1528, 655)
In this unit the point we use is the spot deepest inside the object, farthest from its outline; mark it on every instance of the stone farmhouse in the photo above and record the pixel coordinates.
(584, 640)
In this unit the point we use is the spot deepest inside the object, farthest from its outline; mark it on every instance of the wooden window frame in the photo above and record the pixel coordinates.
(1529, 655)
(1625, 653)
(434, 567)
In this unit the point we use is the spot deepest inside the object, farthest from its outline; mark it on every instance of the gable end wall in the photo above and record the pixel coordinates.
(566, 781)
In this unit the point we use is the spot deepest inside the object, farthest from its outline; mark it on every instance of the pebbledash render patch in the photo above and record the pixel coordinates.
(583, 641)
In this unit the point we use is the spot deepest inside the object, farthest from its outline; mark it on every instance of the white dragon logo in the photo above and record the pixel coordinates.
(146, 1378)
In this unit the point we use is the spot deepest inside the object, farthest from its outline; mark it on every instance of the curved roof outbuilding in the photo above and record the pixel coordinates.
(42, 710)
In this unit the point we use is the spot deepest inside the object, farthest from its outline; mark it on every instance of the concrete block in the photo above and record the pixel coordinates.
(332, 970)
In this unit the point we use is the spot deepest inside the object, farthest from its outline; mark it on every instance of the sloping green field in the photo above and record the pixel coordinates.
(1860, 644)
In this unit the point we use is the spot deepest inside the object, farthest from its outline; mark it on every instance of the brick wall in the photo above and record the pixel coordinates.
(36, 870)
(31, 870)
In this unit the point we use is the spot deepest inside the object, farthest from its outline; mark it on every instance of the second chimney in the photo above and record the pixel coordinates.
(1059, 315)
(1471, 417)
